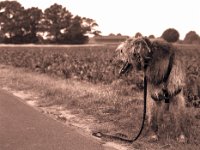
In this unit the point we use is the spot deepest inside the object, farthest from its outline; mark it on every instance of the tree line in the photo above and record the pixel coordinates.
(172, 35)
(57, 25)
(54, 25)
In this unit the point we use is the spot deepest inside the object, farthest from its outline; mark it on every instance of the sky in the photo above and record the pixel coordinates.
(131, 16)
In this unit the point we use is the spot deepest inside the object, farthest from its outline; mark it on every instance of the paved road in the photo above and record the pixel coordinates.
(24, 128)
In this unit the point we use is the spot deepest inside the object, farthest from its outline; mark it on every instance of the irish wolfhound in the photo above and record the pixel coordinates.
(165, 76)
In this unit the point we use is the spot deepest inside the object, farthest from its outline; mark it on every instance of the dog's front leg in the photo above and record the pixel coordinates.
(178, 109)
(153, 116)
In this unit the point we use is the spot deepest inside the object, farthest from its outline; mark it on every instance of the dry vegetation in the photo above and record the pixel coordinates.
(116, 103)
(94, 64)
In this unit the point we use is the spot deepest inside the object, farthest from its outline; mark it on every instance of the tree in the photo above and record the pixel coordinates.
(191, 37)
(111, 34)
(17, 24)
(56, 23)
(90, 26)
(12, 18)
(76, 33)
(62, 27)
(151, 36)
(81, 28)
(138, 34)
(31, 24)
(170, 35)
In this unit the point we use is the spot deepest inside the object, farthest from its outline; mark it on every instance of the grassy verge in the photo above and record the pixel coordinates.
(95, 64)
(117, 108)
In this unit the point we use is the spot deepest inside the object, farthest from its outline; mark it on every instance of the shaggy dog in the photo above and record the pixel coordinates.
(165, 77)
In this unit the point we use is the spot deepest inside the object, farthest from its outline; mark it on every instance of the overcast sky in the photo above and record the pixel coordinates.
(130, 16)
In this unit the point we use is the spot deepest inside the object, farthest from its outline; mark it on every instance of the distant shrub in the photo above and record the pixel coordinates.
(192, 38)
(138, 34)
(111, 34)
(170, 35)
(151, 36)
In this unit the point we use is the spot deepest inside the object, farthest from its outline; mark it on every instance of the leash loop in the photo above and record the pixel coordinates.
(100, 135)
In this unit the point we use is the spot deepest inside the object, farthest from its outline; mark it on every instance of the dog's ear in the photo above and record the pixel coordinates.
(146, 39)
(147, 53)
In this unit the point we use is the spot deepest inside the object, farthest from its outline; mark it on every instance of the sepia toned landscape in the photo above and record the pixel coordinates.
(84, 81)
(63, 67)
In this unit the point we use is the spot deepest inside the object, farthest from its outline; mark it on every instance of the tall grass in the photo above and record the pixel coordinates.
(95, 64)
(114, 110)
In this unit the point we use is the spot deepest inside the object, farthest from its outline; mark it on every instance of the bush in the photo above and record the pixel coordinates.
(192, 38)
(170, 35)
(151, 36)
(138, 34)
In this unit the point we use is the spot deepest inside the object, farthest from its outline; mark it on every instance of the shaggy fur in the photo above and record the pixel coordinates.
(154, 58)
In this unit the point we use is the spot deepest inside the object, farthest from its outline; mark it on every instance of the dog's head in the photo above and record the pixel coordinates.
(135, 52)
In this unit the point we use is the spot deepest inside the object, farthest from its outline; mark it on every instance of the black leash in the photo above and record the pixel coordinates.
(121, 138)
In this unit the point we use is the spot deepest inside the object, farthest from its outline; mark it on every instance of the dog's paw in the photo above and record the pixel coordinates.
(153, 138)
(182, 139)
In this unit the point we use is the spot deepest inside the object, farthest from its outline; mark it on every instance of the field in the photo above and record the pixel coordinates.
(95, 64)
(85, 79)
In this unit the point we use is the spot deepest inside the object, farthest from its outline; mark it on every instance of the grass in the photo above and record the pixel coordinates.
(83, 80)
(116, 107)
(95, 64)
